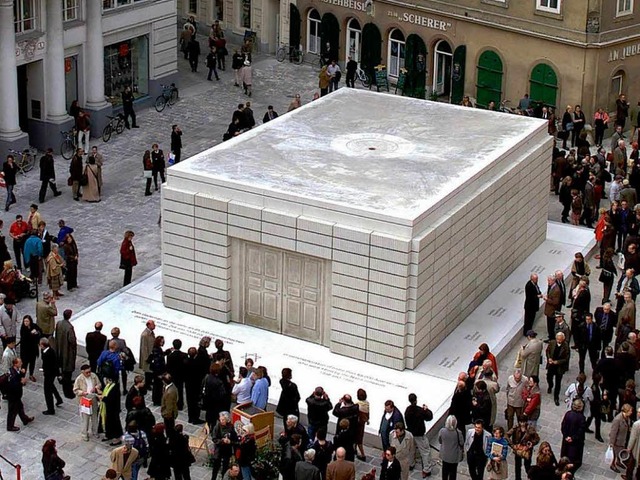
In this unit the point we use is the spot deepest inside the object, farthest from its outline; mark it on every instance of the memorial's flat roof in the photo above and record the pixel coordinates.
(380, 153)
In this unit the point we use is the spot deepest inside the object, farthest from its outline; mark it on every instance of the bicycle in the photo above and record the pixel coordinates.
(116, 124)
(295, 54)
(363, 77)
(169, 96)
(68, 146)
(24, 160)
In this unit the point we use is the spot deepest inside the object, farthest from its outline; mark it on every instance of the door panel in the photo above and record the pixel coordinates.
(263, 287)
(302, 316)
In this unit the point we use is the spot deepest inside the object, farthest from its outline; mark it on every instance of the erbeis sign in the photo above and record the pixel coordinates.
(350, 4)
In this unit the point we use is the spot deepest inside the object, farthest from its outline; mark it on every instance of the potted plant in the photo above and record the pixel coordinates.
(267, 462)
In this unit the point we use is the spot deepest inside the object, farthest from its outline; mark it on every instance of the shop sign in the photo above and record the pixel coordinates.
(624, 52)
(421, 20)
(350, 4)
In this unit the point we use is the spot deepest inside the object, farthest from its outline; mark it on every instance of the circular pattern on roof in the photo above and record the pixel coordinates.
(374, 145)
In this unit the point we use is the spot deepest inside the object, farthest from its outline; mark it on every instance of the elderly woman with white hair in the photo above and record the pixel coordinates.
(451, 448)
(226, 441)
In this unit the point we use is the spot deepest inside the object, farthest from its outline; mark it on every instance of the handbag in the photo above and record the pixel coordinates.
(518, 362)
(69, 182)
(85, 405)
(148, 174)
(608, 455)
(569, 127)
(605, 276)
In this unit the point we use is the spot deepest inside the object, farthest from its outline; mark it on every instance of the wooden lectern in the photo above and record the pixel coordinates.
(262, 421)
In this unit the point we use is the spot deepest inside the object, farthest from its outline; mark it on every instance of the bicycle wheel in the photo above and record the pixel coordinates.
(29, 163)
(174, 96)
(365, 80)
(106, 133)
(67, 149)
(298, 57)
(280, 54)
(161, 102)
(120, 125)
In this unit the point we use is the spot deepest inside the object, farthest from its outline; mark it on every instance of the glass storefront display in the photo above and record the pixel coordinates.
(126, 63)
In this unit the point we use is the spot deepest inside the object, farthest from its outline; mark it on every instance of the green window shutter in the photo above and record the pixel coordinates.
(543, 85)
(489, 81)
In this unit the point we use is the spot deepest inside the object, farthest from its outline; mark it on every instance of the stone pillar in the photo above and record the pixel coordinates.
(9, 117)
(94, 70)
(55, 84)
(283, 29)
(94, 57)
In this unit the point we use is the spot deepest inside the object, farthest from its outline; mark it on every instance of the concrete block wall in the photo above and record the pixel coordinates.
(461, 260)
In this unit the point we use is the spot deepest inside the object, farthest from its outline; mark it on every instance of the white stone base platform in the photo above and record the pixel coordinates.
(497, 321)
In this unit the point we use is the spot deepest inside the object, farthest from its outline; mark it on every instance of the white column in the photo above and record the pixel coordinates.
(55, 81)
(94, 57)
(9, 125)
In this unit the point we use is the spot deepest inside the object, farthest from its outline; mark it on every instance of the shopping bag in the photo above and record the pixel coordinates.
(608, 456)
(171, 158)
(85, 405)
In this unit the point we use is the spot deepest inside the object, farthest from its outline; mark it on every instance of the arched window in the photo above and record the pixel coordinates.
(617, 85)
(396, 52)
(354, 35)
(489, 82)
(313, 31)
(442, 61)
(543, 85)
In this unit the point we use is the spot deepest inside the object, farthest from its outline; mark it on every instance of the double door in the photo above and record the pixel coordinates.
(283, 292)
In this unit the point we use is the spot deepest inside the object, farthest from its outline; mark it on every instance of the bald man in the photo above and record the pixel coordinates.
(341, 469)
(532, 296)
(95, 342)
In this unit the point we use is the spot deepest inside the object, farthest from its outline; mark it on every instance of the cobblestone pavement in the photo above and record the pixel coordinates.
(203, 112)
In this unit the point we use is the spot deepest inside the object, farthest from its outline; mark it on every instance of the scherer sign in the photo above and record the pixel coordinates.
(406, 17)
(624, 52)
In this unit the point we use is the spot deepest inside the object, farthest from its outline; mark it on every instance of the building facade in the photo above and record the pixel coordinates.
(560, 51)
(57, 51)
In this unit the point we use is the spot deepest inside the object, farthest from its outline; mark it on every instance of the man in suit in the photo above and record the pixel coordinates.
(51, 371)
(629, 282)
(169, 405)
(557, 364)
(147, 338)
(563, 288)
(553, 303)
(176, 363)
(307, 470)
(95, 343)
(590, 342)
(532, 296)
(341, 469)
(606, 319)
(531, 355)
(66, 347)
(15, 385)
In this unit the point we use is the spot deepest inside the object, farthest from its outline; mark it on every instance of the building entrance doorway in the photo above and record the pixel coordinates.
(443, 56)
(283, 292)
(23, 106)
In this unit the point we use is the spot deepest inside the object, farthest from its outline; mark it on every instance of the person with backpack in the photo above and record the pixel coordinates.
(87, 388)
(137, 439)
(110, 364)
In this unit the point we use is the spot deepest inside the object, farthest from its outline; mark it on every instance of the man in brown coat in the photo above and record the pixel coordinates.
(147, 338)
(169, 405)
(553, 303)
(341, 469)
(122, 460)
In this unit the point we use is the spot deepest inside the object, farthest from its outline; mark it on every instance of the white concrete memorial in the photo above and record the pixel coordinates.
(368, 223)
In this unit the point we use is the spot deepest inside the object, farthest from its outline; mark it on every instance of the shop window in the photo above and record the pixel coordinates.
(245, 14)
(126, 64)
(396, 52)
(70, 10)
(625, 7)
(543, 85)
(193, 6)
(24, 15)
(313, 29)
(552, 6)
(219, 10)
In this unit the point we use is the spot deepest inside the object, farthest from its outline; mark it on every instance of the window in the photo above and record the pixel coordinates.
(110, 4)
(193, 6)
(70, 10)
(245, 14)
(396, 52)
(625, 7)
(617, 84)
(313, 29)
(552, 6)
(24, 15)
(126, 64)
(353, 39)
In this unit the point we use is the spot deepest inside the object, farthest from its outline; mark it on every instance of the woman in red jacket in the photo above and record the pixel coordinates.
(532, 399)
(127, 257)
